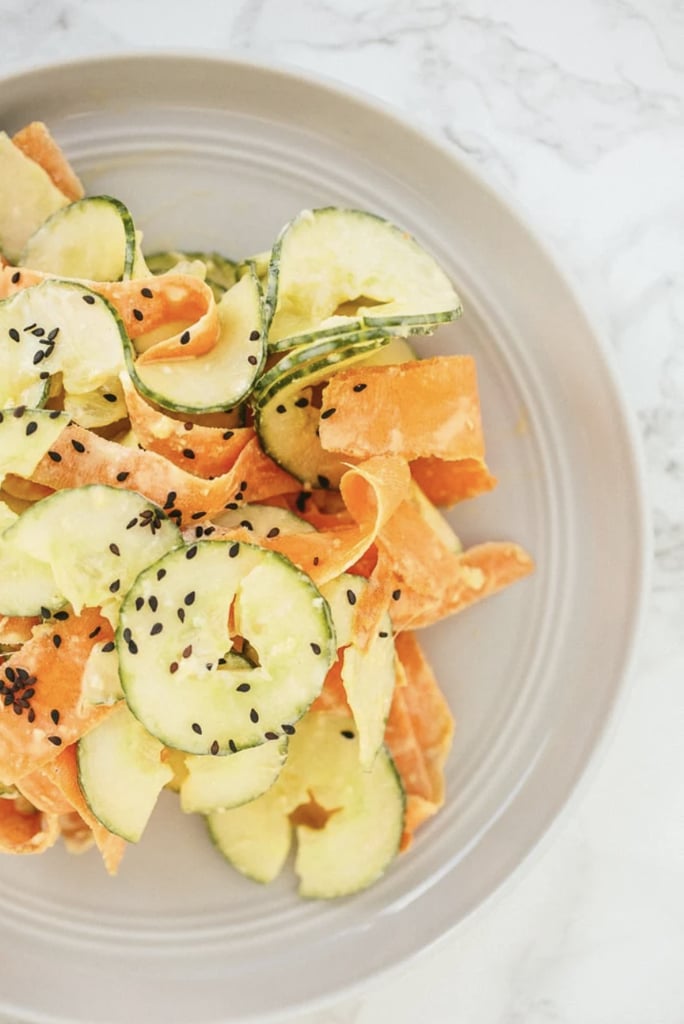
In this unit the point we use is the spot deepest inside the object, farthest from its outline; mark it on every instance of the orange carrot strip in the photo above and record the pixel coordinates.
(25, 831)
(16, 629)
(36, 142)
(53, 661)
(215, 449)
(446, 482)
(87, 458)
(414, 409)
(40, 790)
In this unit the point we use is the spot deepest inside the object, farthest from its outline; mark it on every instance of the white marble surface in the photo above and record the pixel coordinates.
(578, 110)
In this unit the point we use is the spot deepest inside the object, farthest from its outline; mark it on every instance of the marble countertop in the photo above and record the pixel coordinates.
(577, 109)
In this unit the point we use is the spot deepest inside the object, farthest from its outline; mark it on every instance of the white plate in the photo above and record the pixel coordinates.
(210, 153)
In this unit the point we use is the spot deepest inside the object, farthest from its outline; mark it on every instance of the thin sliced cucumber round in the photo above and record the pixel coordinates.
(25, 437)
(286, 418)
(334, 261)
(57, 327)
(212, 783)
(263, 520)
(224, 376)
(28, 197)
(174, 631)
(121, 773)
(348, 821)
(92, 239)
(94, 541)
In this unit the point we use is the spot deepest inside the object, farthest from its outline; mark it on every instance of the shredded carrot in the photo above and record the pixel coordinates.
(36, 142)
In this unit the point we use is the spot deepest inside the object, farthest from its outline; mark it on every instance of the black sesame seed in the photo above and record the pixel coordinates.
(246, 523)
(57, 640)
(19, 411)
(273, 532)
(55, 456)
(109, 397)
(191, 552)
(189, 598)
(254, 715)
(56, 740)
(281, 408)
(61, 617)
(270, 735)
(347, 733)
(233, 550)
(254, 336)
(123, 475)
(289, 730)
(31, 428)
(29, 327)
(89, 299)
(351, 596)
(38, 332)
(302, 499)
(196, 727)
(77, 446)
(198, 515)
(14, 334)
(323, 482)
(127, 634)
(315, 560)
(153, 603)
(383, 633)
(139, 602)
(54, 715)
(302, 402)
(114, 548)
(38, 357)
(185, 337)
(181, 614)
(43, 375)
(188, 453)
(45, 612)
(326, 413)
(239, 496)
(94, 632)
(156, 629)
(161, 573)
(138, 315)
(147, 293)
(243, 688)
(16, 277)
(316, 648)
(108, 647)
(54, 414)
(173, 667)
(132, 647)
(132, 523)
(227, 434)
(31, 715)
(53, 334)
(396, 594)
(114, 586)
(214, 748)
(9, 673)
(232, 505)
(233, 746)
(360, 387)
(187, 651)
(252, 360)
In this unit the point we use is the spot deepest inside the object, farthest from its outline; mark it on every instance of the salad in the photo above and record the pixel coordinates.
(220, 533)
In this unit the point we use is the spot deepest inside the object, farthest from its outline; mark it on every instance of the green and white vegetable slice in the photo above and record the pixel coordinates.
(357, 268)
(25, 437)
(57, 327)
(100, 683)
(368, 674)
(285, 416)
(220, 273)
(174, 630)
(224, 376)
(121, 773)
(263, 520)
(93, 541)
(356, 824)
(212, 783)
(93, 239)
(28, 197)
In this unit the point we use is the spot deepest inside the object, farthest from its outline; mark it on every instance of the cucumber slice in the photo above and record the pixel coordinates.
(94, 540)
(28, 197)
(223, 377)
(333, 261)
(101, 683)
(398, 350)
(258, 263)
(220, 272)
(92, 239)
(361, 814)
(174, 630)
(27, 585)
(98, 408)
(215, 782)
(57, 327)
(25, 437)
(368, 673)
(286, 418)
(263, 520)
(121, 773)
